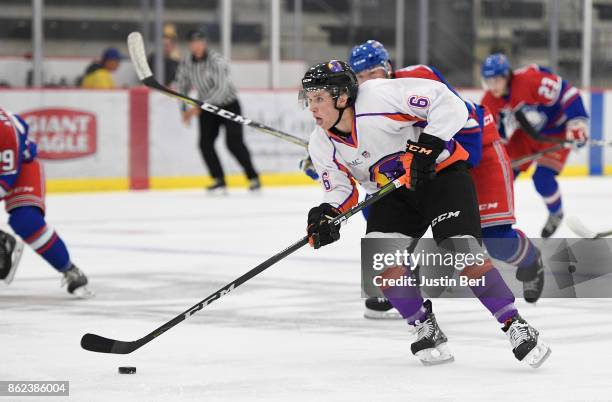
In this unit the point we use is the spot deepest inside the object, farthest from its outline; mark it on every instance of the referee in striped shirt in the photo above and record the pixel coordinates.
(207, 72)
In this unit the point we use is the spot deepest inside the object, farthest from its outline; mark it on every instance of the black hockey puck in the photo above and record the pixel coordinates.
(127, 370)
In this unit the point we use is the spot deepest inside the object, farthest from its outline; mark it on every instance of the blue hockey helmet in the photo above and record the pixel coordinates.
(495, 65)
(368, 55)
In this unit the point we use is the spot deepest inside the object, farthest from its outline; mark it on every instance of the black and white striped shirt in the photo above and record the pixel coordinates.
(210, 76)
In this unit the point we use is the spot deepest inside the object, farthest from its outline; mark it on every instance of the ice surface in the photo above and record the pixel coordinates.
(294, 333)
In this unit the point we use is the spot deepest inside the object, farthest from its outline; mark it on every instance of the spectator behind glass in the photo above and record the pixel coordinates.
(171, 55)
(98, 75)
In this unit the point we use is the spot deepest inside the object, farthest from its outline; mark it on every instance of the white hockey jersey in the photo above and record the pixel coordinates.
(387, 114)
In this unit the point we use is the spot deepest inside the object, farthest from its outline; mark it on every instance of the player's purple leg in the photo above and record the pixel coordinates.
(431, 343)
(494, 294)
(406, 299)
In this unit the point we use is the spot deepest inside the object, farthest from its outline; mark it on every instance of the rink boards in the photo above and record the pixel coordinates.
(122, 139)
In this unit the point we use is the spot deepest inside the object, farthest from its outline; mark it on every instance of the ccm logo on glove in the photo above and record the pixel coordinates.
(418, 149)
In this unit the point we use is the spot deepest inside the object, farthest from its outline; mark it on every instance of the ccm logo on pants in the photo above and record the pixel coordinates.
(489, 205)
(444, 216)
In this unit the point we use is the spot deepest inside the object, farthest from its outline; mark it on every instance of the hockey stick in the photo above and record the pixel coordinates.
(599, 143)
(581, 230)
(520, 161)
(143, 71)
(97, 343)
(533, 133)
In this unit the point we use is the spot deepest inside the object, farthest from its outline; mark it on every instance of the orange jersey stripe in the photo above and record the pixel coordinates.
(352, 200)
(460, 154)
(403, 117)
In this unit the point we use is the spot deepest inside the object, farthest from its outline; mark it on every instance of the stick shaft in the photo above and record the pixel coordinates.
(520, 161)
(96, 343)
(151, 82)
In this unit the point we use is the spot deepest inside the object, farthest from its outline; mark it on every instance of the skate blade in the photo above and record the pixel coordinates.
(217, 192)
(83, 293)
(434, 356)
(392, 314)
(17, 252)
(538, 355)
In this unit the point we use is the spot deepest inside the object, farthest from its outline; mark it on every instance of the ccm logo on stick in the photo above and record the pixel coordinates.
(206, 302)
(444, 216)
(225, 113)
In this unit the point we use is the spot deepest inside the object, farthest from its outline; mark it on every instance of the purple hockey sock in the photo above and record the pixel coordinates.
(406, 299)
(495, 295)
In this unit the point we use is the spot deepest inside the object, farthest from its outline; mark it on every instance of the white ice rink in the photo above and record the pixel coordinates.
(294, 333)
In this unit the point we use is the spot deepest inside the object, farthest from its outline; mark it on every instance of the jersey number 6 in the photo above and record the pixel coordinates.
(418, 101)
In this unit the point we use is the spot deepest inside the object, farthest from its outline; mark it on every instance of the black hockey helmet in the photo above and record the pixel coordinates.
(335, 76)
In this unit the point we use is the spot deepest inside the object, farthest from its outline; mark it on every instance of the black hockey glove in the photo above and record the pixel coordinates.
(419, 161)
(320, 231)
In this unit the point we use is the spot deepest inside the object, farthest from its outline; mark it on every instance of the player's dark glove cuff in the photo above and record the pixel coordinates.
(320, 231)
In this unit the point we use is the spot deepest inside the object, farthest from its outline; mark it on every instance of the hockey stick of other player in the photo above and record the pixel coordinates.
(520, 161)
(532, 132)
(581, 230)
(145, 75)
(599, 143)
(97, 343)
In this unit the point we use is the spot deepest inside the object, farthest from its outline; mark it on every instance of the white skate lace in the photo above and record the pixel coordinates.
(519, 333)
(425, 329)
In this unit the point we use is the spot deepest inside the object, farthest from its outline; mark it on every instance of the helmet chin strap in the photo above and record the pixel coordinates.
(333, 128)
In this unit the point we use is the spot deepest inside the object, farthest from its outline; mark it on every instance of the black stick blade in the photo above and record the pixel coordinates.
(96, 343)
(100, 344)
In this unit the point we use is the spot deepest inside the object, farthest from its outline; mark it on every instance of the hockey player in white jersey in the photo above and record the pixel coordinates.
(386, 129)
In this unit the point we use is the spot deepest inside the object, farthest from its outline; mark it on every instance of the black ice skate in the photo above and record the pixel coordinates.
(379, 308)
(551, 225)
(532, 290)
(254, 184)
(10, 255)
(218, 187)
(76, 282)
(526, 344)
(533, 280)
(430, 346)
